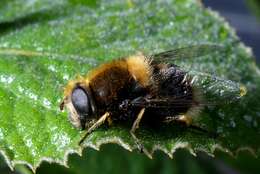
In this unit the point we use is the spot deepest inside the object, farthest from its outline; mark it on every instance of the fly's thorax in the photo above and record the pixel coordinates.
(139, 66)
(107, 81)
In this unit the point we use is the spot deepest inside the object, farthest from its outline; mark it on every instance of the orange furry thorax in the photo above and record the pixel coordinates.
(139, 67)
(136, 67)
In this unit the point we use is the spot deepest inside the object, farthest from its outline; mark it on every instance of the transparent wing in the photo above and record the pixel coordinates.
(181, 101)
(209, 91)
(187, 52)
(217, 89)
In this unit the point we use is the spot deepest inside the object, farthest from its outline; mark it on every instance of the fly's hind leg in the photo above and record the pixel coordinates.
(187, 121)
(132, 132)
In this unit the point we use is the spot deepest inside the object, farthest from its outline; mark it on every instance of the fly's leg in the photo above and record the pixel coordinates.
(187, 121)
(98, 123)
(140, 146)
(132, 132)
(138, 120)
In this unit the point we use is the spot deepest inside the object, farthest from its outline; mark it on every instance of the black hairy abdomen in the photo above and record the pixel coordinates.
(175, 91)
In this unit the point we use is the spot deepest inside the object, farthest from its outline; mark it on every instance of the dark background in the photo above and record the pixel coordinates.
(241, 17)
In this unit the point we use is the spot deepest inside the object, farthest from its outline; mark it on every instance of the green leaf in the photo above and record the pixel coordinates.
(45, 44)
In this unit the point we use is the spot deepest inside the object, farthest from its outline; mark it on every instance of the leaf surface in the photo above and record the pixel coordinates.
(45, 44)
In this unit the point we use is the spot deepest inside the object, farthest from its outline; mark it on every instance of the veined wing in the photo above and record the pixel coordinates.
(187, 52)
(164, 102)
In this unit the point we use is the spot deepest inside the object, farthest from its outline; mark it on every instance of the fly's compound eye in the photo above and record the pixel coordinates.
(80, 101)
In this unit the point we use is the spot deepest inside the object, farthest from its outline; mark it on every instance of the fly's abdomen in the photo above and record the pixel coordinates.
(175, 89)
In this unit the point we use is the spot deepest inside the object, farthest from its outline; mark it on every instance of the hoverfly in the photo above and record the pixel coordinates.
(136, 87)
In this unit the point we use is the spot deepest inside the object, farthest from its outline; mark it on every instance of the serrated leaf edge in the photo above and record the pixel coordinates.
(126, 146)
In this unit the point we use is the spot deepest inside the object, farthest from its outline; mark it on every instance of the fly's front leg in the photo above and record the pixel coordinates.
(132, 132)
(98, 123)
